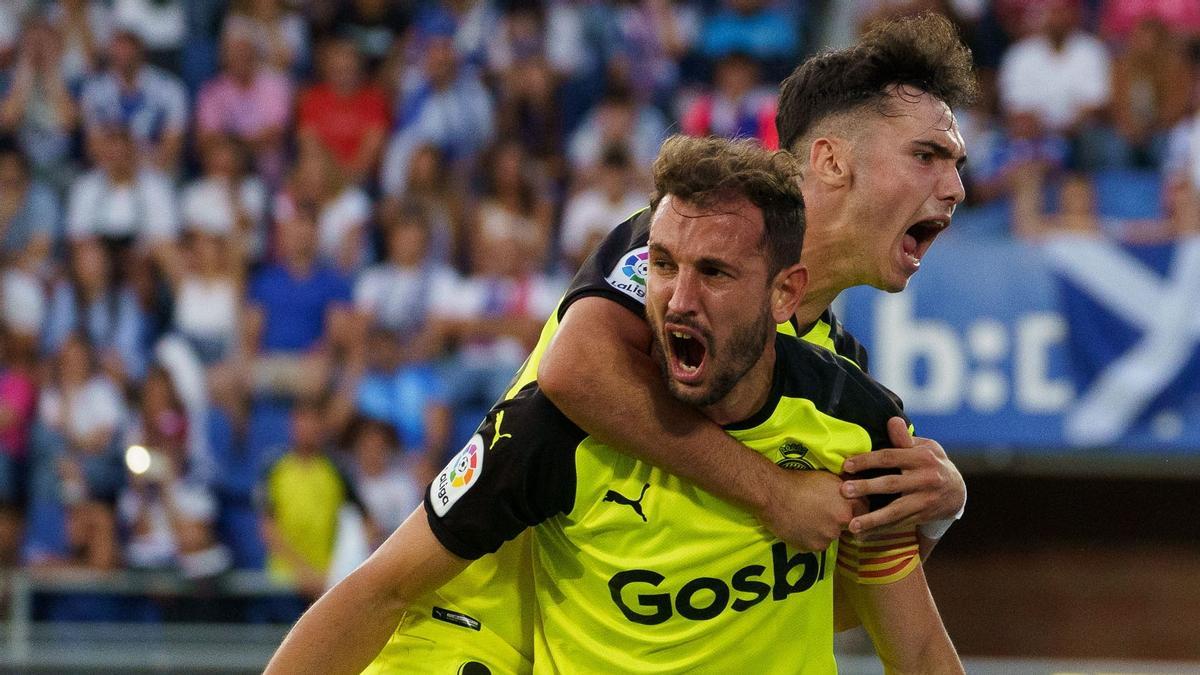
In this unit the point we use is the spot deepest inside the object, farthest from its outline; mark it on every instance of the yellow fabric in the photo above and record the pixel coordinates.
(304, 496)
(582, 558)
(497, 590)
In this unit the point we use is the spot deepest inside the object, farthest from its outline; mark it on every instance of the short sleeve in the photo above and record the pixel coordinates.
(617, 269)
(517, 471)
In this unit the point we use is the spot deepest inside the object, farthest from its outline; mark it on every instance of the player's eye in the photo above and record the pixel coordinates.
(924, 157)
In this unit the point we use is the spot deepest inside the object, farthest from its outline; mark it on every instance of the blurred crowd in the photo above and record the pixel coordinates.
(264, 260)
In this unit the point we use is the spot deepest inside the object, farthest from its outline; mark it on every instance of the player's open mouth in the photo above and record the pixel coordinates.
(687, 352)
(919, 237)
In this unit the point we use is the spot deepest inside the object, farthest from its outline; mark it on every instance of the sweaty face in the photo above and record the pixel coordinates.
(707, 296)
(906, 184)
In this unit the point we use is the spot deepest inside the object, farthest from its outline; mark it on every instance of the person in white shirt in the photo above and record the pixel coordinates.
(120, 202)
(593, 211)
(1062, 74)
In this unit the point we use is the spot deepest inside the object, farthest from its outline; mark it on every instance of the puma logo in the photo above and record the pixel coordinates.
(496, 435)
(636, 505)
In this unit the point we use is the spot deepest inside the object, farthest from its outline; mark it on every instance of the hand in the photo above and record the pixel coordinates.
(930, 487)
(806, 509)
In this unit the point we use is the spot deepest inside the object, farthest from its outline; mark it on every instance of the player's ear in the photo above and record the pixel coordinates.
(829, 161)
(787, 291)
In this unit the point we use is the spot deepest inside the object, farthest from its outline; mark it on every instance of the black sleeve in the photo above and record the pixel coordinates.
(617, 268)
(516, 471)
(873, 404)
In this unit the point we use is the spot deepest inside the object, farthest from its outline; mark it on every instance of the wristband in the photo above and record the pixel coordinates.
(935, 529)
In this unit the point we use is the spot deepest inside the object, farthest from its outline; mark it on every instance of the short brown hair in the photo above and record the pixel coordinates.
(705, 170)
(923, 52)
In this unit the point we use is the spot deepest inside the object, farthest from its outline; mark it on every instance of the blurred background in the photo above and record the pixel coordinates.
(265, 263)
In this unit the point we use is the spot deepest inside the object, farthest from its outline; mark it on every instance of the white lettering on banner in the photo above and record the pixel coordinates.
(968, 368)
(1166, 310)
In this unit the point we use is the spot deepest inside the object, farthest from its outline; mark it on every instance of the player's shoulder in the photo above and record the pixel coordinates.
(844, 343)
(835, 385)
(617, 268)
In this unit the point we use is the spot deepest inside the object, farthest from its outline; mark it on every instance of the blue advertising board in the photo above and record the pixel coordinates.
(1072, 342)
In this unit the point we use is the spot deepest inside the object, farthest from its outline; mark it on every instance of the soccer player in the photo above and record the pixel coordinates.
(880, 148)
(635, 569)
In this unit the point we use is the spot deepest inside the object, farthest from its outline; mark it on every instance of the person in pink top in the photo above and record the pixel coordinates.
(18, 401)
(247, 100)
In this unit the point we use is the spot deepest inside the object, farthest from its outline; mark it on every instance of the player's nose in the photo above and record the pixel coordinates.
(685, 296)
(950, 187)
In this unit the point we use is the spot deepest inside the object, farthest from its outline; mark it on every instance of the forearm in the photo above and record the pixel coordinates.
(904, 624)
(350, 624)
(342, 631)
(605, 381)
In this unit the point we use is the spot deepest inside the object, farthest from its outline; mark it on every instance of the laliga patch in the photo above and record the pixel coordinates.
(629, 274)
(459, 475)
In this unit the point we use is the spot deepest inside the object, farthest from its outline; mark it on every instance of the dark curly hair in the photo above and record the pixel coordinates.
(922, 52)
(704, 171)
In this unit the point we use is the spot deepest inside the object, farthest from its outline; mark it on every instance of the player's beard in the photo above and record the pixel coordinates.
(727, 363)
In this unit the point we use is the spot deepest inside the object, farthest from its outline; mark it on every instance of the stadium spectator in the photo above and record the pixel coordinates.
(18, 404)
(739, 106)
(161, 25)
(38, 106)
(442, 103)
(431, 185)
(760, 28)
(1062, 74)
(292, 316)
(514, 205)
(592, 212)
(1148, 99)
(1077, 213)
(282, 33)
(299, 499)
(402, 388)
(1019, 146)
(228, 199)
(530, 108)
(126, 205)
(396, 294)
(344, 114)
(92, 302)
(343, 209)
(495, 316)
(150, 102)
(375, 27)
(389, 488)
(76, 463)
(86, 27)
(30, 216)
(248, 100)
(169, 515)
(645, 42)
(617, 118)
(206, 282)
(1119, 19)
(528, 30)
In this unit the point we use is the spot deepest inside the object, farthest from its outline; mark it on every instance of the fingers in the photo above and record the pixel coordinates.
(912, 457)
(898, 432)
(900, 513)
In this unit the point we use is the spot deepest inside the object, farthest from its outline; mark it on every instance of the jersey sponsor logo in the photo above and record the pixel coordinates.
(705, 598)
(635, 504)
(459, 475)
(629, 275)
(456, 618)
(793, 456)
